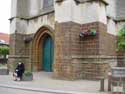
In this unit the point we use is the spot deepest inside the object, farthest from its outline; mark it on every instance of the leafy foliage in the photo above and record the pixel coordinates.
(93, 32)
(121, 40)
(27, 73)
(4, 50)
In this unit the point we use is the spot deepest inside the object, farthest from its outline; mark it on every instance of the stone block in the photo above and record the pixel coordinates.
(27, 77)
(4, 71)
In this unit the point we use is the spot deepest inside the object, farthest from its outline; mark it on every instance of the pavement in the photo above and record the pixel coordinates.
(44, 82)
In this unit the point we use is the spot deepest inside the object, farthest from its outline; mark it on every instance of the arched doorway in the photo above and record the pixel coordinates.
(47, 53)
(43, 50)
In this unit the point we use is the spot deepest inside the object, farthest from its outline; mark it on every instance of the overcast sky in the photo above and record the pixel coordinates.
(5, 8)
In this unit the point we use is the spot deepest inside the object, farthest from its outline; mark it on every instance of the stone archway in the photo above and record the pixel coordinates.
(37, 47)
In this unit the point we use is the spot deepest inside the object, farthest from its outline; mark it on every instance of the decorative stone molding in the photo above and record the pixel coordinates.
(93, 57)
(83, 1)
(17, 56)
(28, 39)
(58, 1)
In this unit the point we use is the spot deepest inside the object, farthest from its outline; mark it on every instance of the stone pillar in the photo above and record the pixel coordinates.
(72, 53)
(13, 8)
(18, 47)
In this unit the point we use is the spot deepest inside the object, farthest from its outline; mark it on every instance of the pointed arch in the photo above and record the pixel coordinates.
(37, 46)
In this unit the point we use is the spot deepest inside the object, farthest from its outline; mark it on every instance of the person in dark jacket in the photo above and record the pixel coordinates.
(19, 71)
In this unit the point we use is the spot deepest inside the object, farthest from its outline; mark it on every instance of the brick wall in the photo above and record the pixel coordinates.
(12, 44)
(121, 59)
(107, 42)
(19, 51)
(62, 50)
(75, 57)
(93, 67)
(14, 59)
(88, 45)
(17, 45)
(70, 48)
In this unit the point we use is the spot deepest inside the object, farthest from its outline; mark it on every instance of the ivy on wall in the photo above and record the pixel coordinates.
(121, 40)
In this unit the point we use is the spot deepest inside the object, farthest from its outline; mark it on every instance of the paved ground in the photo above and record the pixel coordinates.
(44, 82)
(18, 91)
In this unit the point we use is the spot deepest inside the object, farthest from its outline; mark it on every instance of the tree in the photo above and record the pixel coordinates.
(4, 50)
(121, 40)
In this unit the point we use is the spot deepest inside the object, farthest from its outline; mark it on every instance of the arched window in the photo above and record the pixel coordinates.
(47, 3)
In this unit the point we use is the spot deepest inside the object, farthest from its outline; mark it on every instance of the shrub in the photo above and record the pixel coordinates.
(27, 73)
(121, 40)
(4, 50)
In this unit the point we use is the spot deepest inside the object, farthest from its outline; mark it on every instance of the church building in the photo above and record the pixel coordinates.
(73, 39)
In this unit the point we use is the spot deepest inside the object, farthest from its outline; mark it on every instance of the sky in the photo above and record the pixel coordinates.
(5, 10)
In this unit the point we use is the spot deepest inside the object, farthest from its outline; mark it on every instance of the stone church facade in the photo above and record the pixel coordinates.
(46, 36)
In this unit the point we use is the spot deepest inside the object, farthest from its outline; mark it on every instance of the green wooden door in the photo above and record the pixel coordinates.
(48, 52)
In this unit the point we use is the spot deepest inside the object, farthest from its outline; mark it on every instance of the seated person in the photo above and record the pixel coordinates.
(18, 74)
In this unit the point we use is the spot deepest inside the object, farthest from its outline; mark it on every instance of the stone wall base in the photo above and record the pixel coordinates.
(84, 68)
(118, 85)
(13, 61)
(121, 58)
(121, 61)
(4, 71)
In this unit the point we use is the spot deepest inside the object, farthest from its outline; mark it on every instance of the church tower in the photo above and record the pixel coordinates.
(81, 56)
(18, 29)
(74, 39)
